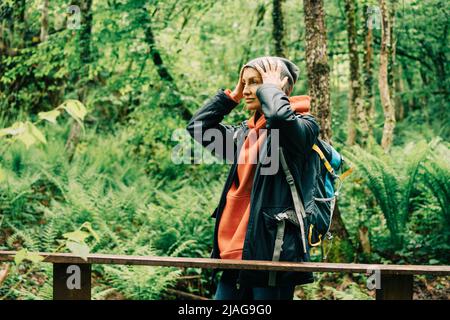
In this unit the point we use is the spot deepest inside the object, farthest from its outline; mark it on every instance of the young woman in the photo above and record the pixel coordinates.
(246, 217)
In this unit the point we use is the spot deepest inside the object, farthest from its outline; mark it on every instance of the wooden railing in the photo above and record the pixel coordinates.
(72, 275)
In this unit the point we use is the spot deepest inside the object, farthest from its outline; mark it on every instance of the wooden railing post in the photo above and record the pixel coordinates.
(71, 281)
(395, 287)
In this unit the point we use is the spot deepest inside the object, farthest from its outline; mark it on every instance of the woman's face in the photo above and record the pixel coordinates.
(251, 80)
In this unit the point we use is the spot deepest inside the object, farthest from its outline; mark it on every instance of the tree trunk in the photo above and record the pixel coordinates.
(85, 33)
(3, 42)
(369, 100)
(278, 31)
(20, 24)
(260, 13)
(44, 21)
(393, 68)
(364, 240)
(73, 140)
(357, 120)
(389, 111)
(319, 82)
(82, 76)
(317, 64)
(163, 72)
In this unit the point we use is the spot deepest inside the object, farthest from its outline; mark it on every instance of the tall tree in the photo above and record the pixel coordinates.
(20, 7)
(383, 83)
(317, 64)
(260, 13)
(82, 76)
(319, 83)
(161, 68)
(393, 68)
(44, 21)
(369, 103)
(356, 109)
(85, 34)
(278, 30)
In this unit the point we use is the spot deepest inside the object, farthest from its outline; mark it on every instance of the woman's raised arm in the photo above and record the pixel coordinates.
(206, 127)
(298, 132)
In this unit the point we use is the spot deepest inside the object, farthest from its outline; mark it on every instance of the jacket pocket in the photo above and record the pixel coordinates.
(284, 230)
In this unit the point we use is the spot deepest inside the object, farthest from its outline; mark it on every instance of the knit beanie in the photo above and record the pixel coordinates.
(288, 69)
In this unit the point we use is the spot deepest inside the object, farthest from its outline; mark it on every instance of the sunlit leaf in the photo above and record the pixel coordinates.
(50, 115)
(36, 132)
(15, 129)
(23, 254)
(20, 256)
(34, 257)
(79, 249)
(75, 108)
(27, 139)
(88, 226)
(77, 236)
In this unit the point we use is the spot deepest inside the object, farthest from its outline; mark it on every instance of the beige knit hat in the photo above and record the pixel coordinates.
(288, 69)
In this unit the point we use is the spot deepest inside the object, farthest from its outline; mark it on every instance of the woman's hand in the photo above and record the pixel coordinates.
(237, 94)
(272, 73)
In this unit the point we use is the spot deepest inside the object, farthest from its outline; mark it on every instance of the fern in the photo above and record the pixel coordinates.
(141, 282)
(29, 239)
(392, 183)
(48, 238)
(436, 177)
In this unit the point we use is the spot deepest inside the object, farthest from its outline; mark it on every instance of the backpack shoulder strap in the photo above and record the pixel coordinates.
(298, 205)
(322, 157)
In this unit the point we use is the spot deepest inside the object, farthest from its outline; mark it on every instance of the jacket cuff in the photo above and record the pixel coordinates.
(228, 93)
(226, 103)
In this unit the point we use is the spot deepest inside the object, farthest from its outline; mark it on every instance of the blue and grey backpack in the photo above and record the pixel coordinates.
(328, 184)
(325, 192)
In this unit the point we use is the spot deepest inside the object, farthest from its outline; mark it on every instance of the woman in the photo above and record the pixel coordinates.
(246, 224)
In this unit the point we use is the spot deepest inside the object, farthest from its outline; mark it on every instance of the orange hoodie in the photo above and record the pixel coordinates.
(234, 218)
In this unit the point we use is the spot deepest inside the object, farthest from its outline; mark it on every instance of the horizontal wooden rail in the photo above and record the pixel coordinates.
(235, 264)
(395, 280)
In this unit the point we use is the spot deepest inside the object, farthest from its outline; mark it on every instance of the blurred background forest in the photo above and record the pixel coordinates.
(378, 75)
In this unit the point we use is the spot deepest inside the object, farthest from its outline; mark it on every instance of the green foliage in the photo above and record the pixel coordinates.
(404, 192)
(121, 187)
(329, 287)
(436, 176)
(141, 283)
(391, 183)
(127, 209)
(24, 254)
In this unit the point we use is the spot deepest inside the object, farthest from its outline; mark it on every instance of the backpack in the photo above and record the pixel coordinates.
(326, 190)
(325, 193)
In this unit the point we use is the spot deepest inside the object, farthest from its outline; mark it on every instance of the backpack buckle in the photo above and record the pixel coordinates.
(282, 216)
